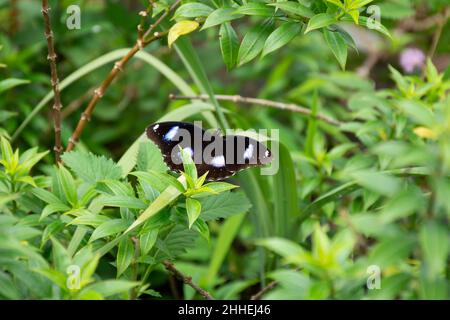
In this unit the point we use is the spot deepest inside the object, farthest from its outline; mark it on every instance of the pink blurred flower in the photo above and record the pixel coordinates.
(412, 59)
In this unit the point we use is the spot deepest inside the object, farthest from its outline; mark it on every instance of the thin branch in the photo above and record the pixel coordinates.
(13, 17)
(264, 290)
(55, 81)
(262, 102)
(143, 40)
(187, 280)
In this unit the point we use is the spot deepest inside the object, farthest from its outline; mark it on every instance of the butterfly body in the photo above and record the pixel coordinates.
(220, 156)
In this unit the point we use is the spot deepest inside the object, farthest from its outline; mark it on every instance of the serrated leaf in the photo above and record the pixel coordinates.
(281, 36)
(91, 168)
(224, 205)
(179, 29)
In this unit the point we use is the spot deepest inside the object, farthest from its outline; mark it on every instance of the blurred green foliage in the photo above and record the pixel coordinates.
(353, 206)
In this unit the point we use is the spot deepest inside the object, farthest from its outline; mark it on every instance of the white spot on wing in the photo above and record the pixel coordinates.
(171, 134)
(218, 161)
(248, 153)
(156, 127)
(267, 153)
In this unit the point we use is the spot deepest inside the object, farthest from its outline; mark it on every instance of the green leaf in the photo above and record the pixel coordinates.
(283, 247)
(320, 20)
(189, 166)
(372, 24)
(377, 182)
(214, 188)
(7, 153)
(284, 192)
(68, 185)
(11, 83)
(45, 196)
(337, 3)
(52, 208)
(193, 10)
(125, 254)
(123, 202)
(91, 168)
(193, 208)
(253, 42)
(355, 15)
(255, 9)
(220, 16)
(147, 241)
(109, 228)
(434, 241)
(224, 205)
(229, 45)
(158, 180)
(202, 227)
(390, 251)
(338, 46)
(109, 288)
(293, 8)
(281, 36)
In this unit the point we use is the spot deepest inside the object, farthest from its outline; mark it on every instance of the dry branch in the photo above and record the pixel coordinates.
(56, 110)
(262, 102)
(187, 280)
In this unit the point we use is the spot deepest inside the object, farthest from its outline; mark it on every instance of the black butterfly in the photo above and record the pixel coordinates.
(220, 156)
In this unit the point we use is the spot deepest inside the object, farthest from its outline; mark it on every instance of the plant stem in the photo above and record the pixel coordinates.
(186, 279)
(142, 41)
(261, 102)
(56, 110)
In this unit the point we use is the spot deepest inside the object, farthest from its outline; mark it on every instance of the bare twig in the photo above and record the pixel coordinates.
(437, 34)
(187, 280)
(149, 36)
(412, 24)
(262, 102)
(264, 290)
(55, 81)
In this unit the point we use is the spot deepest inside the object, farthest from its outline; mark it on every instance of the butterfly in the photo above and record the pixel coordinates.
(220, 156)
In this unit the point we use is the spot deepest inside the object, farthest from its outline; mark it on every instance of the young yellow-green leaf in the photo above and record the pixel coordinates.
(229, 45)
(219, 187)
(201, 180)
(320, 20)
(356, 4)
(188, 164)
(111, 287)
(281, 36)
(125, 254)
(337, 2)
(253, 42)
(293, 8)
(193, 208)
(355, 15)
(7, 153)
(181, 28)
(220, 16)
(338, 46)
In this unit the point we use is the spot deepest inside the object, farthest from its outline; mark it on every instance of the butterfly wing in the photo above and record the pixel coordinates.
(220, 156)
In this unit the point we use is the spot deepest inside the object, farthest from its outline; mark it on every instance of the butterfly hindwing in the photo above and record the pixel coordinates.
(220, 156)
